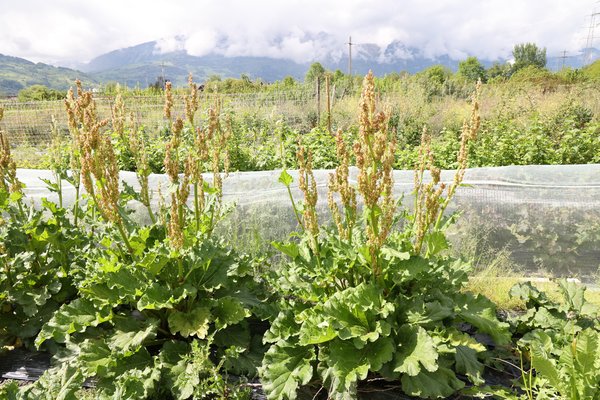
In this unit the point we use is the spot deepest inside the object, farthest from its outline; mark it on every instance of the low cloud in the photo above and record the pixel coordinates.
(69, 31)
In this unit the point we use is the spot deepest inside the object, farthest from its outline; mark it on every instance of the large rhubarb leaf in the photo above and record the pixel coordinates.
(416, 349)
(193, 323)
(359, 312)
(344, 365)
(441, 383)
(70, 318)
(285, 367)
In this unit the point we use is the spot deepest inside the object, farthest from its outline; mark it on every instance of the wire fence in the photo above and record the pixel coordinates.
(30, 123)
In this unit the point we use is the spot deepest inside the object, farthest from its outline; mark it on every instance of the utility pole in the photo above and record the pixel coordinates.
(350, 56)
(563, 58)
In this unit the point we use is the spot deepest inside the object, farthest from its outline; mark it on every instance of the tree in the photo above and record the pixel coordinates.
(472, 70)
(498, 72)
(436, 74)
(40, 92)
(315, 71)
(338, 75)
(528, 54)
(288, 81)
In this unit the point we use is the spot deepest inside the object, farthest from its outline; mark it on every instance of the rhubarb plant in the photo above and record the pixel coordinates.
(165, 310)
(376, 295)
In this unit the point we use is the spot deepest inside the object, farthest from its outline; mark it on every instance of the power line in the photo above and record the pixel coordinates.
(563, 58)
(589, 43)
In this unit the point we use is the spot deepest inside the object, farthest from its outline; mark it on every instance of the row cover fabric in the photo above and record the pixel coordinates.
(547, 218)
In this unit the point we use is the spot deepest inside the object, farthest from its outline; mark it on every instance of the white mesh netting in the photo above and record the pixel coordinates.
(547, 218)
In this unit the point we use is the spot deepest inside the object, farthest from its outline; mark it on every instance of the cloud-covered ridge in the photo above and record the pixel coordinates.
(68, 31)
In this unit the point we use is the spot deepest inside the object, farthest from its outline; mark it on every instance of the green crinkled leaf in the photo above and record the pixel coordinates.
(159, 296)
(544, 364)
(409, 269)
(546, 319)
(14, 197)
(228, 311)
(575, 373)
(285, 367)
(178, 371)
(210, 274)
(416, 349)
(282, 328)
(456, 338)
(539, 338)
(70, 318)
(579, 358)
(468, 364)
(237, 335)
(154, 262)
(193, 323)
(357, 312)
(428, 312)
(436, 242)
(285, 178)
(588, 352)
(58, 383)
(441, 383)
(136, 384)
(389, 253)
(481, 313)
(117, 285)
(315, 328)
(155, 297)
(246, 359)
(573, 294)
(32, 298)
(344, 365)
(289, 249)
(102, 295)
(95, 357)
(9, 391)
(529, 293)
(130, 334)
(132, 378)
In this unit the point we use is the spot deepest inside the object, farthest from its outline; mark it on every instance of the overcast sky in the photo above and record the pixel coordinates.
(63, 32)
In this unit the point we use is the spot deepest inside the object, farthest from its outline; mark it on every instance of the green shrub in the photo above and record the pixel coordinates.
(40, 93)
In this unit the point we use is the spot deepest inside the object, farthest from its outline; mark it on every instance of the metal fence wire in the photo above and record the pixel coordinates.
(30, 123)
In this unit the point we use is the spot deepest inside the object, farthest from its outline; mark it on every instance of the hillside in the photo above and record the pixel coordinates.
(17, 73)
(592, 71)
(142, 64)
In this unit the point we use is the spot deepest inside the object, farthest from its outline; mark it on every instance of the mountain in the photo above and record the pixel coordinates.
(18, 73)
(142, 64)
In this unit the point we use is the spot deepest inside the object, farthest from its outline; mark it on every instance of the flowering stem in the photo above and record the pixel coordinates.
(151, 214)
(76, 206)
(124, 236)
(196, 207)
(294, 207)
